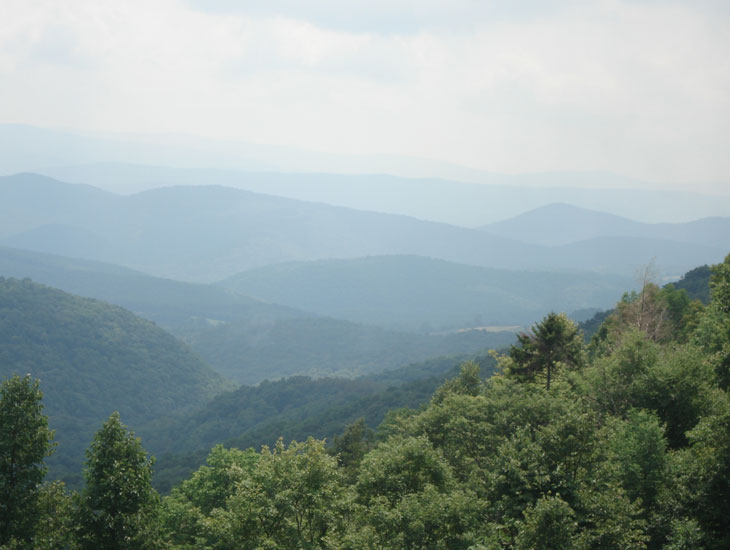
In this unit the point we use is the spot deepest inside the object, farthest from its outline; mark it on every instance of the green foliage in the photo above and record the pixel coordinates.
(352, 445)
(294, 498)
(552, 343)
(713, 331)
(117, 507)
(408, 499)
(293, 409)
(25, 442)
(55, 529)
(697, 283)
(186, 513)
(549, 525)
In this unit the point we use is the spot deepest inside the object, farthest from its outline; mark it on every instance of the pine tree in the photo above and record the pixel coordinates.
(118, 504)
(25, 441)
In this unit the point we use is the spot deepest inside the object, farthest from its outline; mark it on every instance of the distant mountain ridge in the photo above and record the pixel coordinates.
(495, 198)
(560, 224)
(409, 292)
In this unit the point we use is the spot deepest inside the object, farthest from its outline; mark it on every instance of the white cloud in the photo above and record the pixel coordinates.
(639, 88)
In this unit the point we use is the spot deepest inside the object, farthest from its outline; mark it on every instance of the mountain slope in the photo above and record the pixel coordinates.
(245, 339)
(293, 408)
(92, 359)
(326, 347)
(413, 293)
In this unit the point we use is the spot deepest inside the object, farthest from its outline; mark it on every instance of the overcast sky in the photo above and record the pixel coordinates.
(640, 88)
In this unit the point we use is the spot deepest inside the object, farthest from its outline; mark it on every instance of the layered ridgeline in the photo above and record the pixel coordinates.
(94, 358)
(207, 233)
(624, 443)
(180, 307)
(248, 340)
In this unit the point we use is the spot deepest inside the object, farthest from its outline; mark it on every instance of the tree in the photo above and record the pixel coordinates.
(554, 341)
(352, 445)
(25, 441)
(293, 498)
(117, 505)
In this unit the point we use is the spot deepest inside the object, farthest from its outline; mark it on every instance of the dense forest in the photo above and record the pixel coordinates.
(623, 443)
(93, 358)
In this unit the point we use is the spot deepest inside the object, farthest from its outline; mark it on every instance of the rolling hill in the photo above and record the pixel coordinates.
(247, 340)
(180, 307)
(94, 358)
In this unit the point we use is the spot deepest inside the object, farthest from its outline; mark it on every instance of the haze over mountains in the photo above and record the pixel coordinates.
(420, 188)
(411, 292)
(207, 233)
(263, 275)
(496, 198)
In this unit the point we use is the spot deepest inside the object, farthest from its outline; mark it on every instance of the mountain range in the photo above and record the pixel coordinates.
(246, 339)
(207, 233)
(495, 198)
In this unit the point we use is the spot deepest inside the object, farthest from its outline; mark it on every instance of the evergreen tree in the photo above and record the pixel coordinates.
(553, 341)
(118, 505)
(25, 441)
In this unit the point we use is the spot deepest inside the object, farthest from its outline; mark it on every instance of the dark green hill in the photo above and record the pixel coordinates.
(416, 293)
(94, 358)
(697, 283)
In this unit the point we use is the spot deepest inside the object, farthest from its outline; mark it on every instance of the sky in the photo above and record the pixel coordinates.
(639, 88)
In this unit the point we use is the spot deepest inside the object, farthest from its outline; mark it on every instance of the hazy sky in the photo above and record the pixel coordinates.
(641, 88)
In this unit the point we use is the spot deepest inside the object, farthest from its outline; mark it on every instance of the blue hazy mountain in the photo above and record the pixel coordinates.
(497, 197)
(207, 233)
(421, 188)
(560, 223)
(410, 292)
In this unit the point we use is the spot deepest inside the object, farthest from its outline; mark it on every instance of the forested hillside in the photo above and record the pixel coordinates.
(327, 347)
(92, 359)
(623, 443)
(293, 409)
